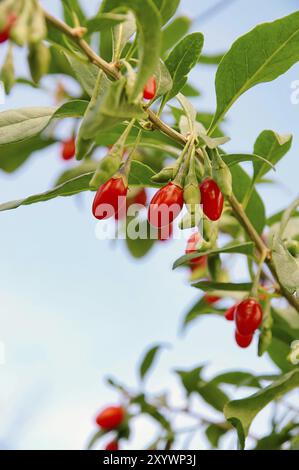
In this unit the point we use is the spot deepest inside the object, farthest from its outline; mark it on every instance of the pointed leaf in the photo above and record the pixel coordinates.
(242, 412)
(261, 55)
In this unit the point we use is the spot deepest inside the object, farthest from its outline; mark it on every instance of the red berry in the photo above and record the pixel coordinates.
(68, 149)
(230, 313)
(165, 233)
(4, 34)
(211, 299)
(243, 341)
(110, 198)
(111, 417)
(113, 445)
(150, 89)
(249, 316)
(166, 205)
(192, 246)
(211, 199)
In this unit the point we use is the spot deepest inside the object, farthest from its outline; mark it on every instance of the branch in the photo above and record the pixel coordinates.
(112, 71)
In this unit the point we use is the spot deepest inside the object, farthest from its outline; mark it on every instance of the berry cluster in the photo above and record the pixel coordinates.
(248, 316)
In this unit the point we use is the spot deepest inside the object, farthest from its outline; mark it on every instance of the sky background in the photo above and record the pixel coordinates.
(74, 309)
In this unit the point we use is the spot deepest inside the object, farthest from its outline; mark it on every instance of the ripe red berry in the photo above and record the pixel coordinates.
(165, 233)
(230, 313)
(211, 299)
(150, 89)
(192, 246)
(110, 198)
(4, 34)
(111, 417)
(249, 316)
(68, 150)
(211, 199)
(166, 205)
(113, 445)
(243, 341)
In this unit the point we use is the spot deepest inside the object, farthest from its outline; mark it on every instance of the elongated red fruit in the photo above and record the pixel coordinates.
(248, 316)
(192, 246)
(243, 341)
(166, 205)
(110, 198)
(150, 89)
(113, 445)
(4, 33)
(68, 149)
(111, 417)
(211, 199)
(230, 313)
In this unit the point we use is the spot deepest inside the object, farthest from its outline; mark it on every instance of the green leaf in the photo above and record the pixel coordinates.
(108, 107)
(199, 309)
(104, 21)
(148, 360)
(181, 61)
(261, 55)
(211, 393)
(286, 266)
(148, 21)
(237, 378)
(255, 208)
(140, 247)
(152, 411)
(85, 72)
(87, 166)
(71, 7)
(140, 175)
(272, 147)
(121, 35)
(13, 155)
(239, 248)
(163, 79)
(234, 158)
(190, 91)
(214, 432)
(174, 32)
(21, 124)
(208, 286)
(91, 116)
(95, 438)
(242, 412)
(167, 8)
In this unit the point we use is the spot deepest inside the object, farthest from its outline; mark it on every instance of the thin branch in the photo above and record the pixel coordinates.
(111, 70)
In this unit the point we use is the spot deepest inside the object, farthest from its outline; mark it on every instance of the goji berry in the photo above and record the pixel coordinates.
(110, 198)
(212, 199)
(111, 417)
(166, 205)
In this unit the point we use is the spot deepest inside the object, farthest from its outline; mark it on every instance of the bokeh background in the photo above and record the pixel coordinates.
(74, 309)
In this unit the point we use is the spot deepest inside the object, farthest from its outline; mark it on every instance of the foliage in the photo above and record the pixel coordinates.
(138, 41)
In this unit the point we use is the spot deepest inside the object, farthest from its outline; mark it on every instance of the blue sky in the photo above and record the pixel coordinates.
(75, 309)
